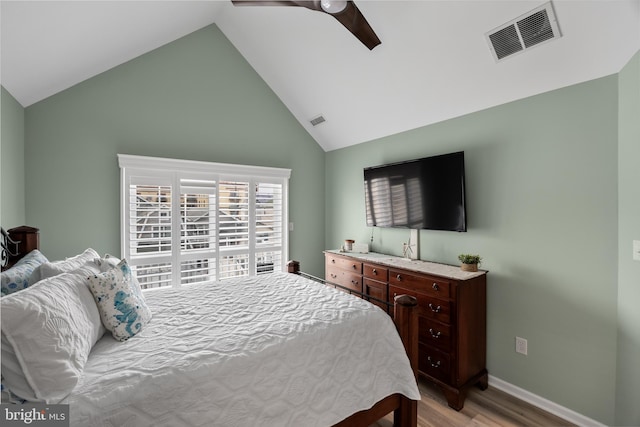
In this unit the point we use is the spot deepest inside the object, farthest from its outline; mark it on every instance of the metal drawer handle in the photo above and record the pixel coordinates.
(435, 309)
(375, 271)
(354, 266)
(433, 365)
(355, 282)
(399, 277)
(333, 275)
(434, 334)
(333, 261)
(435, 287)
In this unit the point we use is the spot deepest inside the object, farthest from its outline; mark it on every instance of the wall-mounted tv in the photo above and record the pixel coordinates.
(427, 193)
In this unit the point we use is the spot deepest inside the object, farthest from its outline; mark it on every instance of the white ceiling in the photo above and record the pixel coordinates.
(433, 64)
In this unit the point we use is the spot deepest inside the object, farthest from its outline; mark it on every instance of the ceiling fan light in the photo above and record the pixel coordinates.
(333, 6)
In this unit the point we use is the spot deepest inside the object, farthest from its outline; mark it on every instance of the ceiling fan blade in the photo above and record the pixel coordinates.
(354, 21)
(307, 4)
(351, 17)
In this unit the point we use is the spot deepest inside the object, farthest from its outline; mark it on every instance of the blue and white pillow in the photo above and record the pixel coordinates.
(122, 307)
(18, 277)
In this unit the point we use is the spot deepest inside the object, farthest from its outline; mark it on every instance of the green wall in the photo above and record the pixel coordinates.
(542, 210)
(195, 98)
(628, 366)
(12, 173)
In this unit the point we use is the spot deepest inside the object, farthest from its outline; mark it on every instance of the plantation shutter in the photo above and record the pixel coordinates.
(187, 222)
(198, 219)
(268, 224)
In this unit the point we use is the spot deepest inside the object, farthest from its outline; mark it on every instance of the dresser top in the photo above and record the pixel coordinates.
(416, 265)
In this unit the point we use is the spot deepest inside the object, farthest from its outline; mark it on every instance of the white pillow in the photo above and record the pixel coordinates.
(85, 261)
(107, 262)
(120, 302)
(51, 328)
(12, 375)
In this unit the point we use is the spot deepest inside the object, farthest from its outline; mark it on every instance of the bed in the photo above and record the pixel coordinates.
(276, 349)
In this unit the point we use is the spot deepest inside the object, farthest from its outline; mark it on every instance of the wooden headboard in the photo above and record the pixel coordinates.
(17, 242)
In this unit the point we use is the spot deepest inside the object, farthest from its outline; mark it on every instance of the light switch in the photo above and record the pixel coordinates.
(636, 250)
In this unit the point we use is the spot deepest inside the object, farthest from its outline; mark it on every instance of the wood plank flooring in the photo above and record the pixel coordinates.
(489, 408)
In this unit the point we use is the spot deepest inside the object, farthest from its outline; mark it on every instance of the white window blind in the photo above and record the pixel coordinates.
(186, 222)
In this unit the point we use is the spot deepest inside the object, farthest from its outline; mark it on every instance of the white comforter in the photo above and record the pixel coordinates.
(275, 350)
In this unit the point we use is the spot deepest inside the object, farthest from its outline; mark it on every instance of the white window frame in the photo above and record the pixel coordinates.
(132, 167)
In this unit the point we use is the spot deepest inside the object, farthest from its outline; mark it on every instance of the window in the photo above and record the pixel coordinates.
(186, 221)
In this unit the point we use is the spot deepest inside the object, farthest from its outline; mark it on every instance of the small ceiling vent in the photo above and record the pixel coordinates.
(531, 29)
(316, 121)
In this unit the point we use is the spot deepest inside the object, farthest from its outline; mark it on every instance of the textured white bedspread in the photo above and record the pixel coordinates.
(274, 350)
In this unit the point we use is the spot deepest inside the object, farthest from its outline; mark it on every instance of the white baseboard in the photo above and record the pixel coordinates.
(542, 403)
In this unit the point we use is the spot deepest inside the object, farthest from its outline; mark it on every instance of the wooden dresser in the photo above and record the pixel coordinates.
(451, 311)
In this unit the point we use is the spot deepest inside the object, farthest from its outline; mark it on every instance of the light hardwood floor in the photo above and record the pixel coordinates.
(491, 407)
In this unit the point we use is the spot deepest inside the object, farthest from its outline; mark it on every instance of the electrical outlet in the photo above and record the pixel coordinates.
(521, 345)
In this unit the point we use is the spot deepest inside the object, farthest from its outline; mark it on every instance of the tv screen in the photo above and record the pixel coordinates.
(427, 193)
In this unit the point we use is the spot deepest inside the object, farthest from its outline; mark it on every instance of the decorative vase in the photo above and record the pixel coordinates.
(469, 267)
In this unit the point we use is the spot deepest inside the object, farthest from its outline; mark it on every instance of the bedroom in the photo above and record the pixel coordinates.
(552, 209)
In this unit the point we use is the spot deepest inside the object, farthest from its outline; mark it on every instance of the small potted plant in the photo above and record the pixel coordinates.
(469, 262)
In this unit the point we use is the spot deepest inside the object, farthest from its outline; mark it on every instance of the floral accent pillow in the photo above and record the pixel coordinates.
(18, 277)
(122, 307)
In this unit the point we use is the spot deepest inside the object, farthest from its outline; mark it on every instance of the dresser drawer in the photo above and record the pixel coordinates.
(375, 272)
(433, 286)
(377, 290)
(428, 306)
(352, 281)
(344, 264)
(434, 362)
(434, 333)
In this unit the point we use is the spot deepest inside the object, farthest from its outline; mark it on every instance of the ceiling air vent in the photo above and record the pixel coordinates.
(316, 121)
(531, 29)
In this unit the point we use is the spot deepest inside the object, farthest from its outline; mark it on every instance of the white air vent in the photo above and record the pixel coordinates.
(531, 29)
(316, 121)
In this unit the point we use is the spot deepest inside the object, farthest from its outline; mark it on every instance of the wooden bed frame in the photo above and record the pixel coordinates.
(17, 242)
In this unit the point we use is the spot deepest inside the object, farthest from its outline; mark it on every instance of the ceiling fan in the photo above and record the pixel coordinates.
(346, 12)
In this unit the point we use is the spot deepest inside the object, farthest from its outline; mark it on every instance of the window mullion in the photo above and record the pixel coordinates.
(176, 229)
(216, 213)
(252, 227)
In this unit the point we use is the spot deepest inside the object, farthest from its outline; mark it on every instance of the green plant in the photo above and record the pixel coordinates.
(469, 259)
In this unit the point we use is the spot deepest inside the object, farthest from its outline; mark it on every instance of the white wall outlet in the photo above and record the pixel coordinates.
(636, 250)
(521, 345)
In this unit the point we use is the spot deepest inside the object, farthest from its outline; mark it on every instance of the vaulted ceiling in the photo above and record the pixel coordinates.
(434, 62)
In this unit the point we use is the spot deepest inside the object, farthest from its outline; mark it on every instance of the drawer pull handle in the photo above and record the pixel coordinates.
(435, 287)
(355, 282)
(399, 277)
(434, 334)
(435, 309)
(333, 261)
(354, 266)
(433, 365)
(333, 276)
(375, 271)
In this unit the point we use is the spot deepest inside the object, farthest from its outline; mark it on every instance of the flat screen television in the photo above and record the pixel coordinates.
(427, 193)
